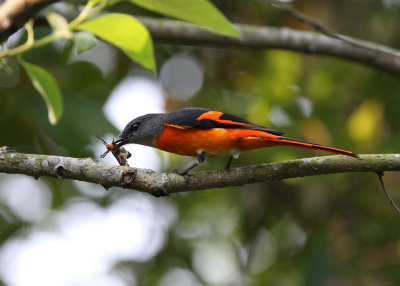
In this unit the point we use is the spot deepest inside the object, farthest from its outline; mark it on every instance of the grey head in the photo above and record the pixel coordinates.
(142, 130)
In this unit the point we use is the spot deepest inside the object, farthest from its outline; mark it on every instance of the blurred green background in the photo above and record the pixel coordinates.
(323, 230)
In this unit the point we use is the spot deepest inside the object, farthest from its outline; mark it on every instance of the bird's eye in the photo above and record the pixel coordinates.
(134, 127)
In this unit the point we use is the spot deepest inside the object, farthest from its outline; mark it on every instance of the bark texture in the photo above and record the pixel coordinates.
(159, 184)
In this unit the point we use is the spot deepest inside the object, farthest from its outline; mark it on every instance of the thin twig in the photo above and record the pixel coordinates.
(380, 176)
(317, 26)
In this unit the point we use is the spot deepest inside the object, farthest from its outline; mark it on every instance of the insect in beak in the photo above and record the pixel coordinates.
(119, 152)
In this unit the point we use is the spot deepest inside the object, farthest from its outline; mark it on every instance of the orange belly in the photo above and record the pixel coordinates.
(215, 142)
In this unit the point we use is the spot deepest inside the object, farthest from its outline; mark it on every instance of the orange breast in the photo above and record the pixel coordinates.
(215, 142)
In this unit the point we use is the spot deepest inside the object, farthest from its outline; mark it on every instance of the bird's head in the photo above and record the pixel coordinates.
(142, 130)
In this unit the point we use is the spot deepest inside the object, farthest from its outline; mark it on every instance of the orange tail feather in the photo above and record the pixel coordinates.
(308, 145)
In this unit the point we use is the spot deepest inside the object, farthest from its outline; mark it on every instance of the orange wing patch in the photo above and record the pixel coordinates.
(177, 126)
(215, 115)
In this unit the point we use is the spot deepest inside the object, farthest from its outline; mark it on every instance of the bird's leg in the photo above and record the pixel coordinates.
(228, 166)
(201, 156)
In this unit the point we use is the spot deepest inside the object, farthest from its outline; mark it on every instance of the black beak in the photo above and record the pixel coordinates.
(121, 141)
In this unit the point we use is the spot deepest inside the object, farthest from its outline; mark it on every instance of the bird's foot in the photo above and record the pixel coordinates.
(184, 173)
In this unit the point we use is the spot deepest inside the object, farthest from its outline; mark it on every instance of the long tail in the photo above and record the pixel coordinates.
(308, 145)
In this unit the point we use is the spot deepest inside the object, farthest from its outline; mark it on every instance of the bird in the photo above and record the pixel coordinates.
(202, 132)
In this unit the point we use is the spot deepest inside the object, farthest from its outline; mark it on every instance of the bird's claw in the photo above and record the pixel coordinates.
(184, 173)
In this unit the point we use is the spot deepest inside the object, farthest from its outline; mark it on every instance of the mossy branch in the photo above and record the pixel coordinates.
(159, 184)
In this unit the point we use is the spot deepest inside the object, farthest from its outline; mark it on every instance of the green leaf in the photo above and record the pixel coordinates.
(112, 2)
(125, 32)
(57, 22)
(84, 41)
(94, 2)
(4, 66)
(46, 85)
(200, 12)
(9, 72)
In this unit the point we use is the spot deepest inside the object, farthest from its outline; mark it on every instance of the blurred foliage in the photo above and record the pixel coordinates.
(118, 29)
(324, 230)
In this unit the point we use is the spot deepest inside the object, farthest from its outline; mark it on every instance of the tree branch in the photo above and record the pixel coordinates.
(15, 13)
(158, 184)
(367, 53)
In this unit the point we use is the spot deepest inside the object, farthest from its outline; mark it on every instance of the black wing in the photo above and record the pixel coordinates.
(203, 118)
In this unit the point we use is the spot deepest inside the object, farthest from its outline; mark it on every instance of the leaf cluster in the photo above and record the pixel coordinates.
(120, 30)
